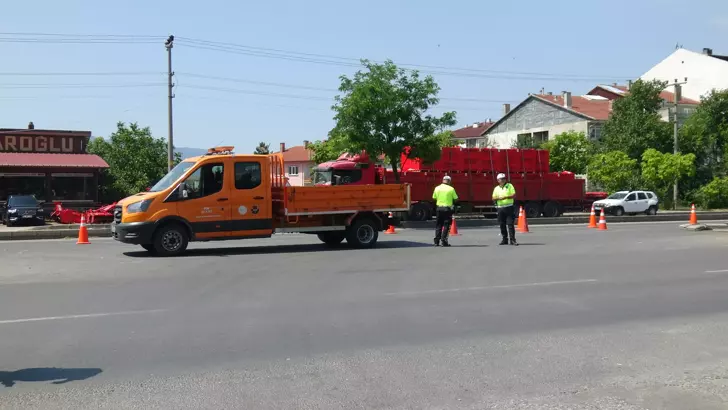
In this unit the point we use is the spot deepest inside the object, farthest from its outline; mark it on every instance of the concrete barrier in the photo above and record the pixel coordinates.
(53, 233)
(667, 217)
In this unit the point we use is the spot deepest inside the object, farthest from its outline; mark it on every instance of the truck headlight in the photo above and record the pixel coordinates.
(12, 211)
(140, 206)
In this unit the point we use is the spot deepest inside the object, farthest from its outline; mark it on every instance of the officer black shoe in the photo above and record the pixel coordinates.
(437, 243)
(513, 242)
(446, 244)
(503, 242)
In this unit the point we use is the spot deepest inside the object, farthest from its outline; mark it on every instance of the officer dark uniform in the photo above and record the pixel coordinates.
(503, 195)
(445, 197)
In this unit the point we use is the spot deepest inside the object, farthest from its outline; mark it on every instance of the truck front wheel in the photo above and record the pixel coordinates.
(420, 212)
(362, 233)
(551, 209)
(170, 240)
(332, 238)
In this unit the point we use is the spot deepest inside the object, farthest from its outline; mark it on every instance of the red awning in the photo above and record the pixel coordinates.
(27, 159)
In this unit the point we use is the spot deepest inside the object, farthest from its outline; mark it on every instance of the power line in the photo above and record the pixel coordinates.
(349, 61)
(266, 83)
(253, 92)
(81, 74)
(80, 35)
(52, 86)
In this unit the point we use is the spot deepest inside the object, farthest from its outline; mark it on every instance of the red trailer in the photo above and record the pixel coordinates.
(473, 173)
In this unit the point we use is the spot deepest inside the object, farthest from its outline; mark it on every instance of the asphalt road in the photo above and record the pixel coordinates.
(632, 318)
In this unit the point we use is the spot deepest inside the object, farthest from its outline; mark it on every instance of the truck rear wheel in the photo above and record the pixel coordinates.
(363, 233)
(551, 209)
(420, 212)
(332, 238)
(170, 240)
(532, 210)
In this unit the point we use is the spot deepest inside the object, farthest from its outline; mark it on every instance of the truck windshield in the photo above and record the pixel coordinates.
(22, 201)
(172, 176)
(617, 195)
(322, 177)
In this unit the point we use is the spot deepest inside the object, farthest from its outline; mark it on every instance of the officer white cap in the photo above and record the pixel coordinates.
(446, 178)
(501, 176)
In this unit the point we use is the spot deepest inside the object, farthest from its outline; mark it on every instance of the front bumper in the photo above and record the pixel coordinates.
(29, 218)
(135, 233)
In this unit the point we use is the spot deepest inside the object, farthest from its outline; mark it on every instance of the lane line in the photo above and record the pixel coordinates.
(523, 285)
(717, 271)
(90, 315)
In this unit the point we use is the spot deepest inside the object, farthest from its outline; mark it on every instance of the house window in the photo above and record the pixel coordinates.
(293, 170)
(247, 175)
(595, 131)
(540, 137)
(470, 143)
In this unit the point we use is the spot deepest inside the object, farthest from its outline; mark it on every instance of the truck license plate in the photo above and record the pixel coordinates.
(113, 228)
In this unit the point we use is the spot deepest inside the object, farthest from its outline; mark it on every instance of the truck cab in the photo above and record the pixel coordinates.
(347, 170)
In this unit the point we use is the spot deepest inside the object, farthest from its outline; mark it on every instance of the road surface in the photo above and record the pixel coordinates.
(632, 318)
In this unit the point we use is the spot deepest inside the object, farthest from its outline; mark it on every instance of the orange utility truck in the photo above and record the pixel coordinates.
(222, 195)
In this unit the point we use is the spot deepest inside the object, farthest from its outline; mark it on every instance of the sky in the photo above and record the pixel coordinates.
(252, 71)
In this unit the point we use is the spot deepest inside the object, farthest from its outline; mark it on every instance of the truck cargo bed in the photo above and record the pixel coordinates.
(317, 200)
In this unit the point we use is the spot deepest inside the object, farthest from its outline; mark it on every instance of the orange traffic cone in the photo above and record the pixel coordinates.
(592, 219)
(522, 222)
(602, 222)
(454, 228)
(693, 216)
(390, 230)
(83, 232)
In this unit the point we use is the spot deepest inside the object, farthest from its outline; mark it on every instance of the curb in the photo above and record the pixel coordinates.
(52, 234)
(479, 223)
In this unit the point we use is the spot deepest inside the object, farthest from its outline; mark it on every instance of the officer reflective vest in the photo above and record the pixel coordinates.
(444, 196)
(499, 192)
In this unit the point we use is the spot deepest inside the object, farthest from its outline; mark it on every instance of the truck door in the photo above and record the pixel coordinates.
(207, 204)
(251, 198)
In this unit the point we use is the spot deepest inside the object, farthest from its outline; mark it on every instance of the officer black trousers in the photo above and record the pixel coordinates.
(442, 227)
(505, 219)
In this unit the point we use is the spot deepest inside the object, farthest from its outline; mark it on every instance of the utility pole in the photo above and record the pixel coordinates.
(170, 85)
(676, 127)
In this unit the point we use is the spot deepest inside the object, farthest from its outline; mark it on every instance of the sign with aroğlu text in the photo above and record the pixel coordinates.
(41, 143)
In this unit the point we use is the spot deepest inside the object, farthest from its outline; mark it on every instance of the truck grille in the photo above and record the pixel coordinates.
(117, 214)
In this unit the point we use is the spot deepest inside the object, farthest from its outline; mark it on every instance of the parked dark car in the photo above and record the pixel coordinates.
(23, 209)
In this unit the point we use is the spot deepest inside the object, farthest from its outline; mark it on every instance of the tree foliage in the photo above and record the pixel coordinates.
(613, 171)
(661, 170)
(569, 151)
(328, 150)
(262, 149)
(635, 124)
(714, 194)
(136, 160)
(705, 134)
(384, 109)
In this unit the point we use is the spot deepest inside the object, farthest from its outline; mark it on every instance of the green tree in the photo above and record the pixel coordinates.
(262, 149)
(136, 160)
(635, 124)
(661, 170)
(714, 194)
(613, 171)
(327, 150)
(705, 134)
(569, 151)
(383, 109)
(430, 148)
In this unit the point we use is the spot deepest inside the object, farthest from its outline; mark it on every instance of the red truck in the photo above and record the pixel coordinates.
(473, 172)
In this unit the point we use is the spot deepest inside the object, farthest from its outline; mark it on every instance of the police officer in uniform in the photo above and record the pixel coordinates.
(503, 195)
(445, 197)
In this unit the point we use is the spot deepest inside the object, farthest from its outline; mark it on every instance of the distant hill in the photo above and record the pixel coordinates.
(190, 152)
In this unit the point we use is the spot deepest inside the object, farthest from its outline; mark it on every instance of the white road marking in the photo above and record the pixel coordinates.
(717, 271)
(522, 285)
(90, 315)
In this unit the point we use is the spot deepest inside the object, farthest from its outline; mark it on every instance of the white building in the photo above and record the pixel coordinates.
(704, 71)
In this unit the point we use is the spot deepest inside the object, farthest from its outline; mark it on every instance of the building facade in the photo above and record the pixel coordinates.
(704, 71)
(52, 165)
(298, 162)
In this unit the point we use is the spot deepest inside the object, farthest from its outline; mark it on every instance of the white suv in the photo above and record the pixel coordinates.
(628, 202)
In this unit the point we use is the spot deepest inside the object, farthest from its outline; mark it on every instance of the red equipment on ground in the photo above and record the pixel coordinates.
(104, 214)
(473, 172)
